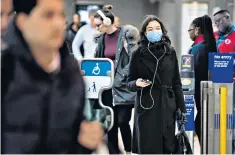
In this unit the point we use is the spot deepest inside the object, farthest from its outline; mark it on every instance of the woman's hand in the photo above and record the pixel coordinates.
(141, 83)
(183, 119)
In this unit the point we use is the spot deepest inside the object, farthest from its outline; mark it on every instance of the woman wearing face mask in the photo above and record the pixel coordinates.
(117, 44)
(154, 74)
(201, 32)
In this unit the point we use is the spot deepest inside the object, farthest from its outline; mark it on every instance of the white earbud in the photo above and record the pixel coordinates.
(106, 21)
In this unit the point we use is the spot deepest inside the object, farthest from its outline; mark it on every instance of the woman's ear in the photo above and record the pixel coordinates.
(197, 31)
(20, 20)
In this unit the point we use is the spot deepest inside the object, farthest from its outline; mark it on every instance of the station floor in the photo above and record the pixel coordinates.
(103, 149)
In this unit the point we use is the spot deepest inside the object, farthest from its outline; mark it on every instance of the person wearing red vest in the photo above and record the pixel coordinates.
(225, 36)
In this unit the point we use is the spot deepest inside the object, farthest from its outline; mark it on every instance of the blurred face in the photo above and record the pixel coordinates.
(192, 32)
(92, 21)
(44, 26)
(222, 21)
(76, 19)
(153, 25)
(99, 25)
(6, 12)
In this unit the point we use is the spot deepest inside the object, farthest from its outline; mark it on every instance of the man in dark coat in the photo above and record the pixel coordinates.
(73, 27)
(42, 90)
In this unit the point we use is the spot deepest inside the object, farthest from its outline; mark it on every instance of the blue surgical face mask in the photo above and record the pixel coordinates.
(154, 35)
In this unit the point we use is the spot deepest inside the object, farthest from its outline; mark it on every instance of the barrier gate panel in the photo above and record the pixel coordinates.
(98, 75)
(233, 118)
(204, 104)
(211, 111)
(217, 106)
(188, 85)
(211, 118)
(229, 117)
(208, 120)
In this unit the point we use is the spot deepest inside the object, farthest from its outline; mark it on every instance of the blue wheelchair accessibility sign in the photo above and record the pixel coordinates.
(96, 68)
(98, 74)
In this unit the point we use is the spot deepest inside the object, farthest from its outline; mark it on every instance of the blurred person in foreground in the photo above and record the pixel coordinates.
(42, 90)
(201, 32)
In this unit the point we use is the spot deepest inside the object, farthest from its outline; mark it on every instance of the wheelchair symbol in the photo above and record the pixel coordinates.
(96, 70)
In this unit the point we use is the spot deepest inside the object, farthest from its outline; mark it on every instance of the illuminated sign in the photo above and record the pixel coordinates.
(186, 82)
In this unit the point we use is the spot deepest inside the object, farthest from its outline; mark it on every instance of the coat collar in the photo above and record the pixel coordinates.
(199, 39)
(160, 50)
(222, 35)
(15, 40)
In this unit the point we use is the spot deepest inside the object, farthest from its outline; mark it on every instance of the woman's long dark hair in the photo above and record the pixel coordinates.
(149, 18)
(204, 23)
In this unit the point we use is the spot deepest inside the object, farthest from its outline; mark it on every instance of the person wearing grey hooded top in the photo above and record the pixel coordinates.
(117, 44)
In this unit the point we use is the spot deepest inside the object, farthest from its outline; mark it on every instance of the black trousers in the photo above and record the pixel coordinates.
(198, 105)
(122, 116)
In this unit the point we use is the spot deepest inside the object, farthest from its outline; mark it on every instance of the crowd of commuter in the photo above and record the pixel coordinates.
(43, 93)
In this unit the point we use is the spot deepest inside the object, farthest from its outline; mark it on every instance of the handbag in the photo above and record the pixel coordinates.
(182, 142)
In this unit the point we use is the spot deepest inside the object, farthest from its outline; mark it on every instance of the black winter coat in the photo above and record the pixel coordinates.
(201, 56)
(154, 129)
(41, 112)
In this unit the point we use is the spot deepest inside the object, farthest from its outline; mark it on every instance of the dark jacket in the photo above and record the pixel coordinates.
(200, 68)
(69, 36)
(70, 33)
(41, 112)
(121, 95)
(154, 129)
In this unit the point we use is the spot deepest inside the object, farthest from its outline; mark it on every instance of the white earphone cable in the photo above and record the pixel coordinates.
(155, 73)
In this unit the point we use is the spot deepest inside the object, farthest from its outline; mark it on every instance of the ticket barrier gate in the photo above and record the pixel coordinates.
(218, 118)
(98, 74)
(218, 108)
(188, 86)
